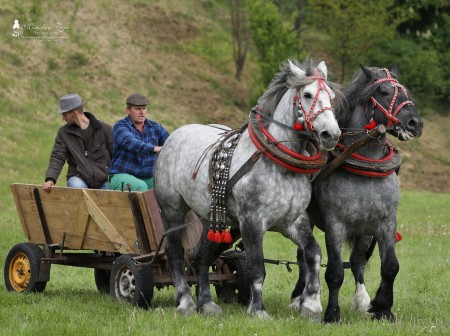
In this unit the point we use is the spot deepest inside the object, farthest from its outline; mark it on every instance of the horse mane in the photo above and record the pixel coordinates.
(359, 92)
(286, 79)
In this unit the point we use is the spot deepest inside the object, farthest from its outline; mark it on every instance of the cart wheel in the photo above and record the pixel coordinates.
(102, 279)
(239, 290)
(130, 282)
(22, 268)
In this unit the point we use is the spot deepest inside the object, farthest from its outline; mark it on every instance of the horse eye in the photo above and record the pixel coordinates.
(307, 95)
(384, 92)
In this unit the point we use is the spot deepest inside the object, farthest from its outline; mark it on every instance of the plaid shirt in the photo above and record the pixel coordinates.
(133, 151)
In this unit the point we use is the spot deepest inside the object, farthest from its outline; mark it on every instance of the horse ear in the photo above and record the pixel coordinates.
(296, 70)
(394, 70)
(323, 69)
(367, 72)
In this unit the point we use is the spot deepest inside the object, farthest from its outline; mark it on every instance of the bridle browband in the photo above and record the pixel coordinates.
(391, 115)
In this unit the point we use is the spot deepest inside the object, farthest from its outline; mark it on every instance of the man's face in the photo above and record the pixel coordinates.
(69, 117)
(138, 114)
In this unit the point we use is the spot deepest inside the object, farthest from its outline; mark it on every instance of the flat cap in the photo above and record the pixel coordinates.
(137, 99)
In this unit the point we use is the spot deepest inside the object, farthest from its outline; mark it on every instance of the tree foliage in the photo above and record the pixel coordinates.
(273, 36)
(415, 35)
(353, 27)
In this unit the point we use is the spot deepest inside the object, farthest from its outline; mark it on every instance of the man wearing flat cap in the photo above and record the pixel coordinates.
(136, 142)
(85, 143)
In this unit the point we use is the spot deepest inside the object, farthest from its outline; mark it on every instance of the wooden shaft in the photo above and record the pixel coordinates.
(330, 167)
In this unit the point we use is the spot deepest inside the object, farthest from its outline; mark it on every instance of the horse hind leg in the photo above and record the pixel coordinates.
(358, 260)
(206, 253)
(252, 239)
(175, 253)
(310, 306)
(296, 296)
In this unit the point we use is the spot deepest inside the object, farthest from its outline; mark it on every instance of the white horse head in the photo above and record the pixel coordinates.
(315, 110)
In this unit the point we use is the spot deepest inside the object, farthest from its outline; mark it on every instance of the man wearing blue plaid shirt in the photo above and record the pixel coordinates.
(136, 143)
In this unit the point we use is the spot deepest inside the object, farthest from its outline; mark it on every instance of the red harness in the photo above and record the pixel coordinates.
(303, 118)
(371, 173)
(390, 115)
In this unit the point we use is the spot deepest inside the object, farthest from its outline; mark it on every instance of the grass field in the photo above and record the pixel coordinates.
(71, 304)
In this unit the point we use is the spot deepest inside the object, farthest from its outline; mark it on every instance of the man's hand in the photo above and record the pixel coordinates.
(48, 186)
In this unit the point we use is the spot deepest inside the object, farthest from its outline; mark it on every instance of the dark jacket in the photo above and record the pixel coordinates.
(91, 163)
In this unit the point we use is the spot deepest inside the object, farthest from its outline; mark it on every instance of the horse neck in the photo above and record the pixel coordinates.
(375, 149)
(284, 113)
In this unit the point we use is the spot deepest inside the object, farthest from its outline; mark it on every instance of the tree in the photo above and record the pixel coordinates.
(241, 35)
(353, 27)
(273, 36)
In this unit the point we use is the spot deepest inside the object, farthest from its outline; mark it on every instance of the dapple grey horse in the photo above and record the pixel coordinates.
(354, 205)
(268, 197)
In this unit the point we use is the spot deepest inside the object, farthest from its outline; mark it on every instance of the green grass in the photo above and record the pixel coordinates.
(71, 304)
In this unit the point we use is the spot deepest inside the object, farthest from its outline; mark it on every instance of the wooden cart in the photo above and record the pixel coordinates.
(118, 234)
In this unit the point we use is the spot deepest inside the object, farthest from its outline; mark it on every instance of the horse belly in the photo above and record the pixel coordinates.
(180, 173)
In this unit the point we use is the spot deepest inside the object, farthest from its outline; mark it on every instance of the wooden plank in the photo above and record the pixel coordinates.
(82, 220)
(152, 218)
(15, 188)
(110, 231)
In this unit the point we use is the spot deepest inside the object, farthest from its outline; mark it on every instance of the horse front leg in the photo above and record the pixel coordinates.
(382, 304)
(358, 260)
(253, 247)
(205, 255)
(334, 275)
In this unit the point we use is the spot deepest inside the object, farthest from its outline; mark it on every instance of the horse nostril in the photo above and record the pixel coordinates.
(412, 123)
(325, 136)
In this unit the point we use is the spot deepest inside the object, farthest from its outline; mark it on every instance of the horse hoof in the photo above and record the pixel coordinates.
(310, 315)
(361, 301)
(211, 309)
(186, 306)
(385, 315)
(311, 308)
(332, 316)
(261, 314)
(361, 304)
(295, 303)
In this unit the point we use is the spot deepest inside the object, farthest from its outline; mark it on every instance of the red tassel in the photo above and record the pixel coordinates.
(298, 126)
(371, 125)
(398, 237)
(226, 237)
(210, 235)
(217, 237)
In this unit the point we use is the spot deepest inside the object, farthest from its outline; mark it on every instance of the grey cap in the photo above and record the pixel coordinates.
(69, 102)
(137, 99)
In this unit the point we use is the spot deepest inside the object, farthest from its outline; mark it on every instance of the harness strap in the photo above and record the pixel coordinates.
(245, 168)
(302, 134)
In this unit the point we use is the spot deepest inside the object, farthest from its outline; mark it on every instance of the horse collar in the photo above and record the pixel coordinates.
(280, 154)
(362, 165)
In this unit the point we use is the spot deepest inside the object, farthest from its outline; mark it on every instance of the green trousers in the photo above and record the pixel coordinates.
(122, 181)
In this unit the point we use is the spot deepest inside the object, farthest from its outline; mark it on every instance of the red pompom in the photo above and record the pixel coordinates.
(210, 235)
(217, 237)
(226, 237)
(398, 237)
(298, 126)
(371, 125)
